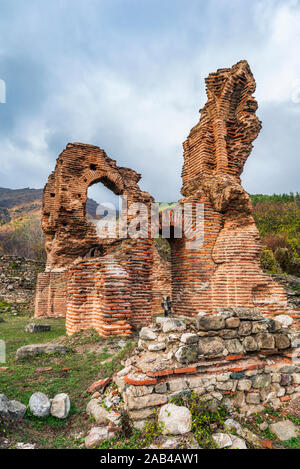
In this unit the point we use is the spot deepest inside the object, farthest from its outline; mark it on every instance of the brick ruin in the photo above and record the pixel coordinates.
(96, 283)
(113, 284)
(226, 270)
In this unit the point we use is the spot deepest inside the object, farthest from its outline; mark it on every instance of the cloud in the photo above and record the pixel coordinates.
(129, 76)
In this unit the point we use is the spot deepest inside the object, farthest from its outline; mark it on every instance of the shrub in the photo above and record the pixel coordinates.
(268, 262)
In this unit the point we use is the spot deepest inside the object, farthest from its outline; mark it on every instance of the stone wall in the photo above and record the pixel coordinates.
(237, 354)
(18, 280)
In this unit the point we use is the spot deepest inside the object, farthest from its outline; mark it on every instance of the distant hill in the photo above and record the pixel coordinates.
(23, 202)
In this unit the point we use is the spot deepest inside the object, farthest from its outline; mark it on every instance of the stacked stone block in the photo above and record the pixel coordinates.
(237, 354)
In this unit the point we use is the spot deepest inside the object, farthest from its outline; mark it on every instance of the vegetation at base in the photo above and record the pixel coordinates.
(71, 373)
(278, 221)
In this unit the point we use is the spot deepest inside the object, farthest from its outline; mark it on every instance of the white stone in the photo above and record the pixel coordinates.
(96, 436)
(60, 406)
(157, 347)
(231, 424)
(176, 420)
(125, 371)
(284, 430)
(39, 404)
(170, 325)
(147, 334)
(284, 320)
(95, 410)
(237, 443)
(189, 338)
(222, 440)
(25, 446)
(16, 410)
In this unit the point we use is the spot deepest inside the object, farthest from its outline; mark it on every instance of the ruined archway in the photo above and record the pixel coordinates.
(76, 256)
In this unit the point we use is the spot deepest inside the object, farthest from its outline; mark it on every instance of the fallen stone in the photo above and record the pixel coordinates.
(222, 440)
(96, 436)
(39, 405)
(176, 420)
(176, 442)
(95, 410)
(25, 446)
(33, 350)
(250, 437)
(147, 334)
(16, 410)
(237, 443)
(284, 430)
(231, 425)
(4, 402)
(44, 370)
(11, 410)
(60, 406)
(35, 328)
(263, 426)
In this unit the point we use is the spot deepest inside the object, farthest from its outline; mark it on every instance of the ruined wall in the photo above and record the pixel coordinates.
(79, 263)
(51, 294)
(226, 270)
(236, 354)
(98, 296)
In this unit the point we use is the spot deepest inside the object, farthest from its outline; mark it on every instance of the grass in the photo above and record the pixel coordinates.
(89, 358)
(71, 373)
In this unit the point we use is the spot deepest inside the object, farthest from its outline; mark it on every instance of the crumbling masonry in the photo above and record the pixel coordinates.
(114, 284)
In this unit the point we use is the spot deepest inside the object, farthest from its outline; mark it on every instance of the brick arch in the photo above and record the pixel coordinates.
(68, 233)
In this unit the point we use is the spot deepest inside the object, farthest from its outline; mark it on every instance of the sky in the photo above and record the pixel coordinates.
(128, 76)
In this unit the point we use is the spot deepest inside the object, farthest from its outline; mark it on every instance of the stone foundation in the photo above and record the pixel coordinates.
(236, 354)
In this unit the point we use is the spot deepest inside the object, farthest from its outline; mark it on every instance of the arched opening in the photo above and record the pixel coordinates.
(102, 197)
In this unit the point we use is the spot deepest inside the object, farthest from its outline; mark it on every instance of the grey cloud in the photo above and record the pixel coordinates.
(129, 76)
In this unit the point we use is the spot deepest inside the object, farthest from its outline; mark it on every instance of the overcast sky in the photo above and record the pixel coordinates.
(128, 76)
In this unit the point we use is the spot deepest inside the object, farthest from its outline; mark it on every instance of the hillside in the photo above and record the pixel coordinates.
(20, 214)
